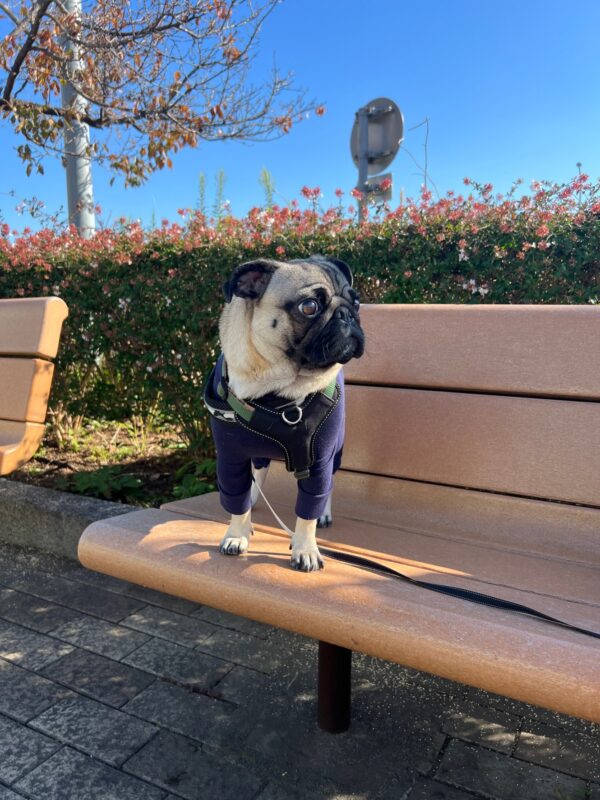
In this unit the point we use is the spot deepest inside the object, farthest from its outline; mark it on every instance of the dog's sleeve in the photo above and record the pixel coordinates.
(314, 491)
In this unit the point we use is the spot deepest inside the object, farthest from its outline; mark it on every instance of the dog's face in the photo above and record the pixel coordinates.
(304, 311)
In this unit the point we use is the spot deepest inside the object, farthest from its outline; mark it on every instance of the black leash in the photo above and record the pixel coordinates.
(453, 591)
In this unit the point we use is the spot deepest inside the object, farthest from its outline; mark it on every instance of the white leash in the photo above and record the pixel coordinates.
(279, 520)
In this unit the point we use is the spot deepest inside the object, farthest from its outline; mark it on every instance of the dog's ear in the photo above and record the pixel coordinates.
(250, 280)
(343, 267)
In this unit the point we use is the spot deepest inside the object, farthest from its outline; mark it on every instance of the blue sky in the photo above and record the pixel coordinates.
(511, 90)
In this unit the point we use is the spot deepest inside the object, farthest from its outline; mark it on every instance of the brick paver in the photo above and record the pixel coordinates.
(115, 691)
(99, 636)
(101, 731)
(170, 625)
(98, 677)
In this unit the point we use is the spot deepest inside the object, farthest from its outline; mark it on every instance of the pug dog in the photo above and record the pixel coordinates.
(277, 390)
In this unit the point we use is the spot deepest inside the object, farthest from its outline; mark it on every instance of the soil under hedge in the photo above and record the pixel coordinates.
(114, 462)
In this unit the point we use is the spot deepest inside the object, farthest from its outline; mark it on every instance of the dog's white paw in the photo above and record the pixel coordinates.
(235, 541)
(307, 560)
(233, 545)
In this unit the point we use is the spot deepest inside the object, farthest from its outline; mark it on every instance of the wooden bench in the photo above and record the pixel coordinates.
(29, 335)
(472, 459)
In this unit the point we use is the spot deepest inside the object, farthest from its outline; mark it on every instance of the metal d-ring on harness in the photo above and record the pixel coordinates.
(292, 421)
(453, 591)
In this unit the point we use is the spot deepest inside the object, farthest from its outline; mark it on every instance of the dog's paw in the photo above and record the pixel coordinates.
(309, 560)
(325, 520)
(233, 545)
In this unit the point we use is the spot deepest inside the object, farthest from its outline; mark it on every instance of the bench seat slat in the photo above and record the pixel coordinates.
(520, 349)
(488, 648)
(18, 443)
(552, 585)
(515, 445)
(24, 388)
(31, 326)
(557, 531)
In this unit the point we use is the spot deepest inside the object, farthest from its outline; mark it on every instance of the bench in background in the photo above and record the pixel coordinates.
(29, 335)
(472, 459)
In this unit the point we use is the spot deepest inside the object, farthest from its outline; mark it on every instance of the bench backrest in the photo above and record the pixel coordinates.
(29, 335)
(498, 398)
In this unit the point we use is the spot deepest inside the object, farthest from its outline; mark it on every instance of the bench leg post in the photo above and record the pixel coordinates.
(335, 666)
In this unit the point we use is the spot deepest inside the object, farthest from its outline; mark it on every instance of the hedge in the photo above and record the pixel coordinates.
(144, 305)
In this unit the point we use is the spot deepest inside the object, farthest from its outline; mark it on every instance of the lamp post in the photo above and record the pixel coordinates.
(80, 194)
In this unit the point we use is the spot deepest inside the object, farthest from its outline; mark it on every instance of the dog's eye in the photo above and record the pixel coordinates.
(356, 303)
(309, 307)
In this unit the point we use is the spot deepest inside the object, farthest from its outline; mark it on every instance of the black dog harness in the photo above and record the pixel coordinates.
(294, 427)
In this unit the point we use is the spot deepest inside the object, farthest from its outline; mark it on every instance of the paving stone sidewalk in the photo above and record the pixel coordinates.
(109, 690)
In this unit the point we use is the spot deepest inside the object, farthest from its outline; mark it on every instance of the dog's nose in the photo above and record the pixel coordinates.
(343, 313)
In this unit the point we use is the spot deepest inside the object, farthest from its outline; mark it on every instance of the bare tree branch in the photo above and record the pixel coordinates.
(9, 13)
(25, 48)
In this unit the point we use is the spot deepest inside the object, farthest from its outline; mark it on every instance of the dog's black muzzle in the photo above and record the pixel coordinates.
(340, 340)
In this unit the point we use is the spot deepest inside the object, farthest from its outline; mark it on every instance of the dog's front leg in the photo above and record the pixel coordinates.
(235, 541)
(305, 553)
(259, 477)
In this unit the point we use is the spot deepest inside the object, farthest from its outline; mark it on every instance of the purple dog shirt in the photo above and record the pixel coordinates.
(238, 448)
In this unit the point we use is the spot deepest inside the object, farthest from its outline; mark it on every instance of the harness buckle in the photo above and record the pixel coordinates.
(292, 421)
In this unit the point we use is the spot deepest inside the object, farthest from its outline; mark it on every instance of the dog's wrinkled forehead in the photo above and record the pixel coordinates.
(335, 272)
(307, 276)
(252, 279)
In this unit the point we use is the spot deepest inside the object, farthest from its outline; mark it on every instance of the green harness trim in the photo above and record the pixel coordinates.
(245, 410)
(329, 391)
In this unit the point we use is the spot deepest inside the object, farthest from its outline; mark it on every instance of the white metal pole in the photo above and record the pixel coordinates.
(80, 190)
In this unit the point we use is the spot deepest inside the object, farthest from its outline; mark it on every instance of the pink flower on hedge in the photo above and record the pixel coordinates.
(543, 230)
(580, 180)
(280, 250)
(310, 194)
